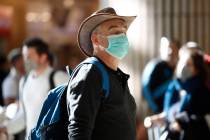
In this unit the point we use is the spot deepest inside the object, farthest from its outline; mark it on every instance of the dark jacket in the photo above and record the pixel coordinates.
(94, 117)
(155, 79)
(195, 103)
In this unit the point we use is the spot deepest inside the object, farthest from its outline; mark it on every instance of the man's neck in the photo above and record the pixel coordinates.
(109, 61)
(41, 69)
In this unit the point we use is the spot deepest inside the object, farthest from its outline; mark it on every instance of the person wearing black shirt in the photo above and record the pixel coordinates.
(92, 116)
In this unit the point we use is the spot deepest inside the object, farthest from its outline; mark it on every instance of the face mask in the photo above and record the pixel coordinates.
(118, 45)
(184, 74)
(30, 65)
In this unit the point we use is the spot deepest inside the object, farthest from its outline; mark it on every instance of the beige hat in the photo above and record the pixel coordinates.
(91, 22)
(14, 54)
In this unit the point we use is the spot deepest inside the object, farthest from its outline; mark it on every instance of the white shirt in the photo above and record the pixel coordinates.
(10, 86)
(34, 92)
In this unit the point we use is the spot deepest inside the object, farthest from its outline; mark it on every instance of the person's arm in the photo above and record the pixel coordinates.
(83, 100)
(161, 89)
(9, 90)
(148, 96)
(155, 120)
(17, 124)
(146, 80)
(170, 96)
(182, 120)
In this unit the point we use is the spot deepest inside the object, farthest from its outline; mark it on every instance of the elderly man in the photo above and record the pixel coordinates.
(92, 116)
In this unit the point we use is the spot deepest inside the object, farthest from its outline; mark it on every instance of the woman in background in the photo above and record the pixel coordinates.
(187, 99)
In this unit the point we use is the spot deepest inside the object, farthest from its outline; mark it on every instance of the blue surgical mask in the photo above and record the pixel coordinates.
(118, 45)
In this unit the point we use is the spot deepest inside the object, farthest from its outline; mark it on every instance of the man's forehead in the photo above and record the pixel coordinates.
(25, 49)
(118, 22)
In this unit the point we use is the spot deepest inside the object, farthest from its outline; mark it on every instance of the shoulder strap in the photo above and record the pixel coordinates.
(102, 69)
(51, 80)
(25, 79)
(98, 64)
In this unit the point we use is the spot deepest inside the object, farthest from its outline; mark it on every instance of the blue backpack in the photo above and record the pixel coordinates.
(53, 120)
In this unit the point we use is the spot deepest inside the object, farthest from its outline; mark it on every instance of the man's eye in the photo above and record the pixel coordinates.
(117, 32)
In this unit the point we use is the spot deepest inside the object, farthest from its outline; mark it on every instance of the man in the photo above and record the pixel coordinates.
(92, 116)
(35, 86)
(157, 75)
(11, 83)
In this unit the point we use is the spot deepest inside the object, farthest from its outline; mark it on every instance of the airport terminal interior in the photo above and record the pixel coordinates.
(158, 22)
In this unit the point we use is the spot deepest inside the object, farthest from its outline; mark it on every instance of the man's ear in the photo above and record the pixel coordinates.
(43, 58)
(94, 39)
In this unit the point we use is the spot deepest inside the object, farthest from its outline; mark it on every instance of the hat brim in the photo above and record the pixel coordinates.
(86, 28)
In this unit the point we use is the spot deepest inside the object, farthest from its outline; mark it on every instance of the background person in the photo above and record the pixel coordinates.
(158, 73)
(34, 86)
(11, 83)
(187, 99)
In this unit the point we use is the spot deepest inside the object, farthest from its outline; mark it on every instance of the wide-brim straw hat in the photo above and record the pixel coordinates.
(91, 22)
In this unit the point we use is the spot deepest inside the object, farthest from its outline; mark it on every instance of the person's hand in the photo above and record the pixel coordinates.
(3, 133)
(3, 129)
(158, 119)
(175, 127)
(147, 122)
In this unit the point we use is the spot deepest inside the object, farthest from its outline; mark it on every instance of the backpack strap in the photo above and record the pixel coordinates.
(105, 78)
(51, 80)
(68, 70)
(102, 69)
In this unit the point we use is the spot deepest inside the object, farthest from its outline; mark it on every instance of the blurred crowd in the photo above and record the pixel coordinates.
(175, 87)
